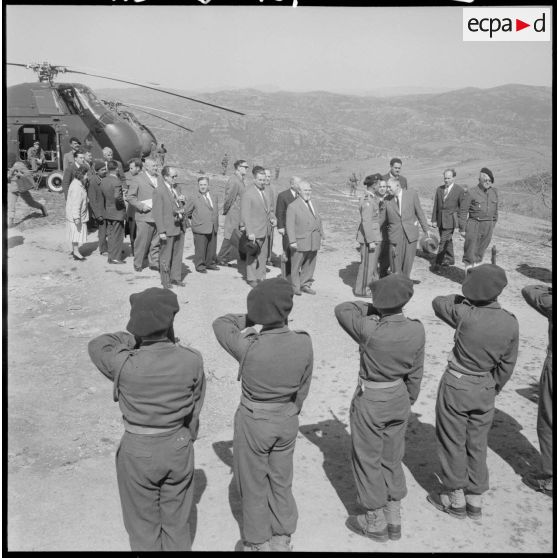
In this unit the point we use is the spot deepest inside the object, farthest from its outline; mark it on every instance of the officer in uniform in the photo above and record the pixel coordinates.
(540, 298)
(481, 362)
(275, 371)
(477, 218)
(369, 235)
(391, 365)
(160, 387)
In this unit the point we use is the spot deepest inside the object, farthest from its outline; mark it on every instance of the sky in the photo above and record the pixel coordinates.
(206, 48)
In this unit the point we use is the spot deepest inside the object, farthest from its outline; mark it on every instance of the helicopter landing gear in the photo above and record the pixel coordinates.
(54, 181)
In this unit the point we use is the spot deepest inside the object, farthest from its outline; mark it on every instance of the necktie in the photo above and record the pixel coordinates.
(310, 207)
(397, 202)
(263, 198)
(446, 192)
(208, 199)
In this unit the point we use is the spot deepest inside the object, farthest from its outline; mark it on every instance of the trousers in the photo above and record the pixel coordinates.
(464, 414)
(146, 243)
(205, 247)
(445, 249)
(255, 265)
(402, 257)
(115, 238)
(26, 197)
(368, 268)
(544, 417)
(155, 481)
(378, 419)
(303, 265)
(478, 235)
(263, 448)
(170, 259)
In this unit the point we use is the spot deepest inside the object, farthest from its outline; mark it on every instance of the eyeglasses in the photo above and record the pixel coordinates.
(243, 166)
(174, 176)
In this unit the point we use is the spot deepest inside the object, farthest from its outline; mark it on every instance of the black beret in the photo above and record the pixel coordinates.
(270, 302)
(152, 312)
(488, 173)
(484, 282)
(393, 291)
(98, 165)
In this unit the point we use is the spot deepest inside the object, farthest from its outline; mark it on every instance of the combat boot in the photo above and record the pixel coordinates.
(474, 506)
(256, 547)
(393, 517)
(280, 543)
(452, 502)
(372, 525)
(540, 483)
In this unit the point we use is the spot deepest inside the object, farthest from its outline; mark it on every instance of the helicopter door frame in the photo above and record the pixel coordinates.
(48, 138)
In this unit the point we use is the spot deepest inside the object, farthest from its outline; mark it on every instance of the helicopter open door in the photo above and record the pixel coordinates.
(46, 135)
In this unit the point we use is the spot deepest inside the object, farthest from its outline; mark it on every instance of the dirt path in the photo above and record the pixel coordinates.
(64, 429)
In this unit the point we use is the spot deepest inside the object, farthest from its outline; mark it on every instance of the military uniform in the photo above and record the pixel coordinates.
(391, 366)
(481, 362)
(275, 370)
(160, 389)
(368, 231)
(540, 298)
(477, 217)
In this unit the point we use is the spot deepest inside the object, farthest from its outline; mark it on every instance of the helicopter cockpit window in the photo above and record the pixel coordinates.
(46, 101)
(89, 99)
(74, 104)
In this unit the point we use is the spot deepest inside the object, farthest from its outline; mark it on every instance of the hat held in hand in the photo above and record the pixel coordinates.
(393, 291)
(484, 282)
(152, 312)
(270, 302)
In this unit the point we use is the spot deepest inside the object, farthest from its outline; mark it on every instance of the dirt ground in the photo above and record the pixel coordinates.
(64, 428)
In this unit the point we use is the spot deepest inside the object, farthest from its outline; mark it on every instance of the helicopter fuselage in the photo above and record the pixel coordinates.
(54, 113)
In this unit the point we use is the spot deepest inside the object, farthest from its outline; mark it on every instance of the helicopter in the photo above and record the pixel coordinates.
(53, 113)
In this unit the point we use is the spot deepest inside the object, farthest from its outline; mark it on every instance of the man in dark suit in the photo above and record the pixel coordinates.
(445, 214)
(257, 213)
(203, 211)
(140, 197)
(109, 156)
(305, 232)
(97, 203)
(284, 199)
(169, 216)
(70, 169)
(115, 213)
(395, 172)
(271, 189)
(68, 159)
(400, 213)
(135, 166)
(231, 210)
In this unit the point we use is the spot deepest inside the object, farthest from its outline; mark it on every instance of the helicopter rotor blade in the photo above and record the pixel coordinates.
(166, 120)
(14, 64)
(153, 108)
(159, 90)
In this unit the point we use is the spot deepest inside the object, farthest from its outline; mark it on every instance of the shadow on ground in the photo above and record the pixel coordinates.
(200, 484)
(349, 274)
(533, 272)
(506, 440)
(14, 241)
(333, 440)
(531, 392)
(225, 454)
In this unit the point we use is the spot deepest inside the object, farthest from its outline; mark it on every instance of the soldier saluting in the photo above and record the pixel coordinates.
(480, 363)
(275, 371)
(391, 364)
(160, 387)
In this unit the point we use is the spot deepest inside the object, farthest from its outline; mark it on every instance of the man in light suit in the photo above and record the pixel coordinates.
(284, 199)
(203, 212)
(395, 172)
(271, 189)
(305, 232)
(70, 169)
(257, 213)
(400, 213)
(140, 197)
(445, 214)
(231, 210)
(169, 216)
(68, 159)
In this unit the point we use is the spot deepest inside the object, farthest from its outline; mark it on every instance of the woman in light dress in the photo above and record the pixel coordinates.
(76, 212)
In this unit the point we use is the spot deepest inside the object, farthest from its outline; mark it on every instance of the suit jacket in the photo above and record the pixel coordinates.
(204, 219)
(403, 226)
(369, 227)
(95, 195)
(68, 159)
(234, 190)
(402, 180)
(69, 171)
(446, 213)
(164, 207)
(256, 215)
(284, 199)
(141, 188)
(304, 228)
(111, 188)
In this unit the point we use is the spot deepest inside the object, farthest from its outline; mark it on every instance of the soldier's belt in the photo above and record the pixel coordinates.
(367, 384)
(147, 430)
(460, 374)
(264, 405)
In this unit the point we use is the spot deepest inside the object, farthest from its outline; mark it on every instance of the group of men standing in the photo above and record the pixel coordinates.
(391, 214)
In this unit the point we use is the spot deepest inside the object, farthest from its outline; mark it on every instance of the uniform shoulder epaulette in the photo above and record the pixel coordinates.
(510, 313)
(414, 320)
(300, 331)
